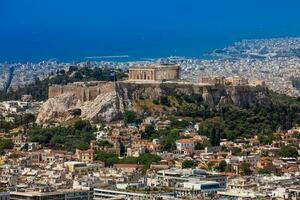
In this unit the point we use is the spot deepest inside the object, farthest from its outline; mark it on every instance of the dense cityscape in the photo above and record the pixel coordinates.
(149, 100)
(90, 140)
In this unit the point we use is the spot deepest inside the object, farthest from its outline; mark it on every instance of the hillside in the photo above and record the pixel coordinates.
(231, 111)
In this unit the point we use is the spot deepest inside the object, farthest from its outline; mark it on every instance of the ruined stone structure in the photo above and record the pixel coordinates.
(216, 80)
(230, 81)
(255, 83)
(155, 72)
(83, 91)
(236, 80)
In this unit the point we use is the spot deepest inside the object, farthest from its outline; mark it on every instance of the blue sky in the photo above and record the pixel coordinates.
(85, 27)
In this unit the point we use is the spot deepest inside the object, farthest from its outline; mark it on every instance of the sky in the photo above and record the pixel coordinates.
(72, 29)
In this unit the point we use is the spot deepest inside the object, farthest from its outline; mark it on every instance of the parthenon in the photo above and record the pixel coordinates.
(155, 72)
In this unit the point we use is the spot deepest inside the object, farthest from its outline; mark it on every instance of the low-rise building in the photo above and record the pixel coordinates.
(56, 195)
(85, 155)
(4, 196)
(184, 144)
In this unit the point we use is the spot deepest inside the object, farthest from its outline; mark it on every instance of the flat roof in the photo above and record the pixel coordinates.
(155, 66)
(35, 193)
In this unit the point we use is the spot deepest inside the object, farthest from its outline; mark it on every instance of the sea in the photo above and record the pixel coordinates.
(118, 30)
(121, 46)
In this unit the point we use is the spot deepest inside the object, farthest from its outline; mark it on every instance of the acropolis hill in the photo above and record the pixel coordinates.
(106, 101)
(89, 91)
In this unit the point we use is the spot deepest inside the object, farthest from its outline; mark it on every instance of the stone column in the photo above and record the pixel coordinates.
(153, 75)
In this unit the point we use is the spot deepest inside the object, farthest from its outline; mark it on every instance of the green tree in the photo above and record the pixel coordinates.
(149, 132)
(296, 135)
(288, 151)
(108, 158)
(148, 158)
(236, 151)
(5, 144)
(129, 117)
(212, 126)
(263, 171)
(164, 100)
(266, 138)
(104, 143)
(189, 164)
(65, 138)
(222, 166)
(83, 125)
(202, 145)
(245, 169)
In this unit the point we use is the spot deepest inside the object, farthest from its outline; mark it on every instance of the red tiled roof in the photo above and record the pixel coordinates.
(185, 140)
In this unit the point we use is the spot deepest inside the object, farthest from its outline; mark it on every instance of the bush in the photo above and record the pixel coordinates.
(129, 117)
(155, 101)
(164, 100)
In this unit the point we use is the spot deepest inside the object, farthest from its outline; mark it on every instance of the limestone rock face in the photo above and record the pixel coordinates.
(58, 109)
(111, 104)
(104, 108)
(241, 96)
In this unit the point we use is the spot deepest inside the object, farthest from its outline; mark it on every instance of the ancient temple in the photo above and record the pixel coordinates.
(155, 72)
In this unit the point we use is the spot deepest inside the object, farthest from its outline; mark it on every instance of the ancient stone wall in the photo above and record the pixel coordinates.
(81, 91)
(167, 74)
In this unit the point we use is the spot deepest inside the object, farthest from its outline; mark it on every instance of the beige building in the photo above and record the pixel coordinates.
(68, 194)
(155, 72)
(215, 80)
(85, 155)
(257, 83)
(221, 80)
(82, 167)
(236, 80)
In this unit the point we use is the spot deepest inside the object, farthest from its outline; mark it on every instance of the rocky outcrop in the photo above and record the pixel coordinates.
(110, 105)
(241, 96)
(104, 108)
(58, 109)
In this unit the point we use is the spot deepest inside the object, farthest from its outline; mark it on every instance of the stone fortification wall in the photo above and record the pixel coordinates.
(83, 92)
(128, 92)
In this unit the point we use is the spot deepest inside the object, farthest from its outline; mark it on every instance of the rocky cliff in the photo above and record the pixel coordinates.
(109, 106)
